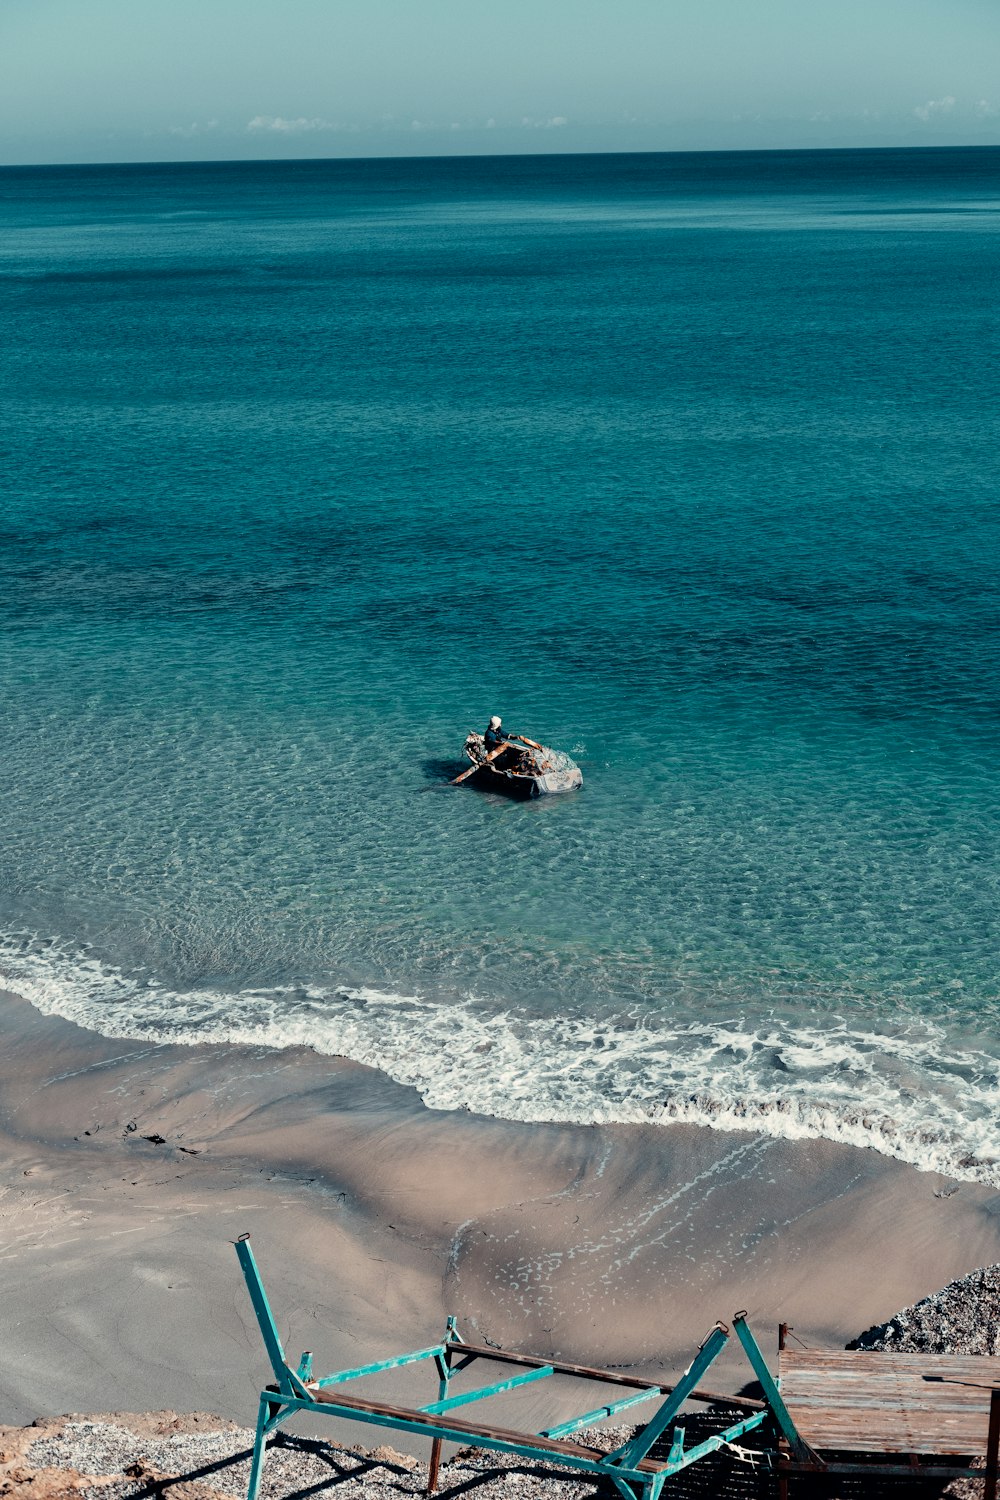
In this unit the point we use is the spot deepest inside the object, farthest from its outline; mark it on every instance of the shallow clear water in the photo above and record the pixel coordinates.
(685, 465)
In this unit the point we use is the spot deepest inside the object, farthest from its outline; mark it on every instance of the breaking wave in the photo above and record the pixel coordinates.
(908, 1092)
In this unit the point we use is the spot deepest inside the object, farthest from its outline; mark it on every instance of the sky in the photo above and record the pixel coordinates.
(179, 80)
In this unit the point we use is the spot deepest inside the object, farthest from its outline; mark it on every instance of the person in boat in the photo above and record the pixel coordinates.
(496, 736)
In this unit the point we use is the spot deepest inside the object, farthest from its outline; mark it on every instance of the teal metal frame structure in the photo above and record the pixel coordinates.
(629, 1467)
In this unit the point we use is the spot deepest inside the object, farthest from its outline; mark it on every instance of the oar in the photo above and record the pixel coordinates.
(492, 756)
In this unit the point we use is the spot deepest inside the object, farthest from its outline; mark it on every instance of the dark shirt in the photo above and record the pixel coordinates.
(495, 737)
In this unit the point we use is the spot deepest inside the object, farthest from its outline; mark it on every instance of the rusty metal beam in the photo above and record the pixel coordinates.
(610, 1377)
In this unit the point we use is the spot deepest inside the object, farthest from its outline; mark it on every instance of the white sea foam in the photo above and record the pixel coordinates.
(907, 1093)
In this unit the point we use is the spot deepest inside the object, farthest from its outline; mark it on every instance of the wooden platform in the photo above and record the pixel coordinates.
(932, 1405)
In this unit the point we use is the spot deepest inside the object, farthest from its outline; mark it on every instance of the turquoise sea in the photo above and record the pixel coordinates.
(683, 464)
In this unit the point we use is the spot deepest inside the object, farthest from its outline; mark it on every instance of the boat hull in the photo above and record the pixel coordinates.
(534, 771)
(547, 784)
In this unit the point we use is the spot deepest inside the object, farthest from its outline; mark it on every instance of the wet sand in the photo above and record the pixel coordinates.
(373, 1218)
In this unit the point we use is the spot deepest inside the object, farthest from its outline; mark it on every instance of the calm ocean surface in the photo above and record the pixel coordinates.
(683, 464)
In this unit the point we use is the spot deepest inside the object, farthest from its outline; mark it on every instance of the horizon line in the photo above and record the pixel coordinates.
(276, 161)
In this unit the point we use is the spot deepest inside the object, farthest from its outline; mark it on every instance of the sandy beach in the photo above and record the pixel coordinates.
(129, 1169)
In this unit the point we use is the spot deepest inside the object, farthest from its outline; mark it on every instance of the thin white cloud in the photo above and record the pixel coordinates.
(552, 122)
(197, 127)
(277, 125)
(934, 108)
(985, 110)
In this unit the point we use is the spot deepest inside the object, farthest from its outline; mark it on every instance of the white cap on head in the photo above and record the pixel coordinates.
(495, 722)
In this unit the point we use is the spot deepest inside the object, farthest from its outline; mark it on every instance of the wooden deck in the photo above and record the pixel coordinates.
(932, 1405)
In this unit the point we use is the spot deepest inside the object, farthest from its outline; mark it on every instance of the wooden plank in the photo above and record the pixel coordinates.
(861, 1378)
(928, 1392)
(944, 1408)
(957, 1437)
(979, 1368)
(888, 1438)
(870, 1385)
(835, 1401)
(863, 1401)
(924, 1471)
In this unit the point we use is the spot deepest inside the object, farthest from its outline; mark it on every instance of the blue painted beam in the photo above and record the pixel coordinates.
(487, 1390)
(443, 1358)
(462, 1435)
(635, 1451)
(772, 1395)
(259, 1449)
(599, 1413)
(383, 1364)
(265, 1318)
(274, 1422)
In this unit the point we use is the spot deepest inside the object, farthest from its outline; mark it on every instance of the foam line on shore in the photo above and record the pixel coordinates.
(908, 1093)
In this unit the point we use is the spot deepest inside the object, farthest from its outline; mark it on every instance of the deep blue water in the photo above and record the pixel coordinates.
(684, 464)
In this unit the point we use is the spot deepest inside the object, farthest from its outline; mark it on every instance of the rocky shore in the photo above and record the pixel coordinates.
(963, 1318)
(138, 1456)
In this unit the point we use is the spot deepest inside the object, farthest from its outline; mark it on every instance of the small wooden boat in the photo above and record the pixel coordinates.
(521, 770)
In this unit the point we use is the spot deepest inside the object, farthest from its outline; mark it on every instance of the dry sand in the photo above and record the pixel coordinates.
(373, 1217)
